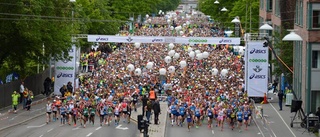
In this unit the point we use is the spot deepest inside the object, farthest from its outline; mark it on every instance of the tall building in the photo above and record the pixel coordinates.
(304, 17)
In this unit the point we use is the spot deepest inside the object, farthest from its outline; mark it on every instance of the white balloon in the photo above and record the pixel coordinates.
(167, 59)
(149, 65)
(149, 20)
(188, 22)
(137, 45)
(190, 49)
(215, 71)
(172, 69)
(130, 67)
(181, 32)
(198, 51)
(137, 72)
(183, 64)
(171, 53)
(199, 56)
(191, 54)
(162, 71)
(176, 55)
(171, 46)
(147, 16)
(205, 54)
(224, 72)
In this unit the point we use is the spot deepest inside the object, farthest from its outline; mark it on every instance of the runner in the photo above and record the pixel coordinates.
(85, 115)
(117, 111)
(92, 110)
(102, 113)
(240, 119)
(63, 114)
(75, 112)
(49, 111)
(189, 118)
(210, 116)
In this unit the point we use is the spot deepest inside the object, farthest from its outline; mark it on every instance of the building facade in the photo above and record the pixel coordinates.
(304, 17)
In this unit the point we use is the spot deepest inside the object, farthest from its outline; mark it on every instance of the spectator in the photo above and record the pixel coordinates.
(47, 86)
(280, 95)
(318, 113)
(156, 111)
(15, 100)
(144, 103)
(70, 87)
(63, 90)
(25, 98)
(21, 91)
(29, 100)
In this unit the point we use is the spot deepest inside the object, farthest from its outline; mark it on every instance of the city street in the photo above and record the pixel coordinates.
(38, 128)
(203, 131)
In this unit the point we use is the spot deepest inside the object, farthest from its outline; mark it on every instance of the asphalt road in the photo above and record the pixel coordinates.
(203, 131)
(38, 128)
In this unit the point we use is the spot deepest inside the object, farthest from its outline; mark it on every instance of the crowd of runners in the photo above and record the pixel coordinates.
(194, 94)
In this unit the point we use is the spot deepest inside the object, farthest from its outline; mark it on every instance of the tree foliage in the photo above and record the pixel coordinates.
(27, 25)
(240, 8)
(285, 53)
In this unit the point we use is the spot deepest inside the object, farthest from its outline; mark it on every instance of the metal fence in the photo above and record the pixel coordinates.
(34, 83)
(261, 121)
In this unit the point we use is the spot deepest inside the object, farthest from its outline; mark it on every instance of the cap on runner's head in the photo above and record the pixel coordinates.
(54, 100)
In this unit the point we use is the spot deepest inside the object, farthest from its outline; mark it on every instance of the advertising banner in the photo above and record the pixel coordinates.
(178, 40)
(65, 71)
(257, 69)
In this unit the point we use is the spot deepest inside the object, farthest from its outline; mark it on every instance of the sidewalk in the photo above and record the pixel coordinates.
(9, 119)
(279, 121)
(154, 130)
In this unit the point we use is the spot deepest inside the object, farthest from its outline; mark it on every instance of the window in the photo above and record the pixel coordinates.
(299, 13)
(269, 5)
(261, 4)
(316, 59)
(277, 8)
(316, 19)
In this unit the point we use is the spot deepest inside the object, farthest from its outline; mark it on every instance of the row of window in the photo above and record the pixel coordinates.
(299, 13)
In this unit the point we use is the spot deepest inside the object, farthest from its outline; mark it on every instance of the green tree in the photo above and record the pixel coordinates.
(284, 51)
(27, 26)
(241, 9)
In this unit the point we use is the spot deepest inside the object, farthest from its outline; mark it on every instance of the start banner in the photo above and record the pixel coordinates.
(257, 68)
(149, 39)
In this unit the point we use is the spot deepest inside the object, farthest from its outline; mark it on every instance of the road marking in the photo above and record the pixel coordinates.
(212, 132)
(76, 128)
(50, 130)
(41, 136)
(36, 126)
(123, 128)
(89, 134)
(13, 118)
(258, 126)
(98, 128)
(283, 120)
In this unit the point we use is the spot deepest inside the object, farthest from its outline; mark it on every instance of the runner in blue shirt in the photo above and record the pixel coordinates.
(189, 118)
(240, 119)
(181, 114)
(246, 117)
(210, 116)
(174, 112)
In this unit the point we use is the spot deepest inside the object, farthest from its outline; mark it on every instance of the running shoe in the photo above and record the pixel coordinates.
(197, 126)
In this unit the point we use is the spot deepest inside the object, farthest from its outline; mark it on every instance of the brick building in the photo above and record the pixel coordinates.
(304, 17)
